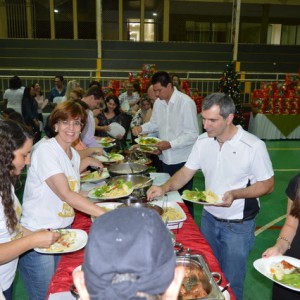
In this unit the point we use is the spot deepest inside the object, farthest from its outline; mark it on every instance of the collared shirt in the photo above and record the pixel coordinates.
(88, 133)
(242, 161)
(176, 122)
(55, 93)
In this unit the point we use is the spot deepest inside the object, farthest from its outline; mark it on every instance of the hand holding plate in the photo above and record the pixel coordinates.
(163, 145)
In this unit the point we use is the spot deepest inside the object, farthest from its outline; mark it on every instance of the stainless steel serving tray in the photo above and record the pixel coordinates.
(206, 279)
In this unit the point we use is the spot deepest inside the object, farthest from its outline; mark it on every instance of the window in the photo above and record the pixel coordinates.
(288, 35)
(250, 33)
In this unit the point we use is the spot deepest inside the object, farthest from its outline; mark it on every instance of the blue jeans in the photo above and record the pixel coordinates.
(37, 270)
(231, 244)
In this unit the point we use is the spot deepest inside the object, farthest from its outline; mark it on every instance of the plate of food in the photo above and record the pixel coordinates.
(173, 212)
(284, 270)
(94, 176)
(147, 141)
(116, 190)
(146, 149)
(202, 197)
(70, 240)
(106, 142)
(107, 206)
(109, 157)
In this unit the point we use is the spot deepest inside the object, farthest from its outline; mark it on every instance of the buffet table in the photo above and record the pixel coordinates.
(189, 235)
(273, 127)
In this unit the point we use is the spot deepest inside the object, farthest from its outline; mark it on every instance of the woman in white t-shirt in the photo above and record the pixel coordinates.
(12, 97)
(15, 148)
(52, 191)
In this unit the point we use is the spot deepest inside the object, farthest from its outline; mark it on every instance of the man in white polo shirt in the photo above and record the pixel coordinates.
(236, 166)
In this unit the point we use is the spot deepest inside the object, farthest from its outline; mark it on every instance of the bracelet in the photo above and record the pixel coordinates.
(286, 240)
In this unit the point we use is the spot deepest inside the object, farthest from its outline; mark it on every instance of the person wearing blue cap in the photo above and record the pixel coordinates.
(129, 255)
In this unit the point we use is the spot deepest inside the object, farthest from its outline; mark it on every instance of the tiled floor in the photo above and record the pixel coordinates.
(285, 156)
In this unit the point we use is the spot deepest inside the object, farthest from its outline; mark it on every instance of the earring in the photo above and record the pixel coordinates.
(55, 130)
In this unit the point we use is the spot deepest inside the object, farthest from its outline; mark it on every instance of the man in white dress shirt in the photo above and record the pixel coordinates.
(174, 117)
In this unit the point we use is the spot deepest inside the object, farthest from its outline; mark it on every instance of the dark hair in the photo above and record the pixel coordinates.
(94, 91)
(26, 93)
(95, 83)
(82, 103)
(16, 116)
(33, 86)
(13, 135)
(117, 102)
(7, 111)
(15, 83)
(161, 77)
(67, 110)
(176, 75)
(295, 209)
(61, 78)
(224, 101)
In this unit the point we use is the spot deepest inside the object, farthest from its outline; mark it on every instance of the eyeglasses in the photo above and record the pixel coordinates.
(66, 123)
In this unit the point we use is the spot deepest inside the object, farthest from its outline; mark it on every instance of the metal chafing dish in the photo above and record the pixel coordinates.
(199, 282)
(141, 183)
(137, 202)
(127, 169)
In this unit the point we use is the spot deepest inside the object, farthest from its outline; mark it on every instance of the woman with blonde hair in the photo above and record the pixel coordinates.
(71, 85)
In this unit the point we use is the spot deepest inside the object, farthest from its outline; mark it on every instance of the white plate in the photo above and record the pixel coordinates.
(117, 157)
(93, 196)
(116, 129)
(109, 145)
(262, 265)
(174, 224)
(147, 138)
(80, 242)
(108, 206)
(148, 149)
(104, 175)
(105, 140)
(225, 293)
(205, 203)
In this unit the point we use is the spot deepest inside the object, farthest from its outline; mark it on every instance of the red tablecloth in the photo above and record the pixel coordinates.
(189, 235)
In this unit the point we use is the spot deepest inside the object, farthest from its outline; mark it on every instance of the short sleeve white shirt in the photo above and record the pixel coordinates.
(42, 208)
(241, 161)
(8, 270)
(14, 99)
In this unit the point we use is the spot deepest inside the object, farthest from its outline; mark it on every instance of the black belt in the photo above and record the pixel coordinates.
(235, 220)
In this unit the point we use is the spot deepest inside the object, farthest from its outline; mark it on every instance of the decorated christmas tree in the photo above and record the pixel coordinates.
(230, 85)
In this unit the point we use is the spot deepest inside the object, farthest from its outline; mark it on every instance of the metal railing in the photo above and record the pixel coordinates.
(205, 82)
